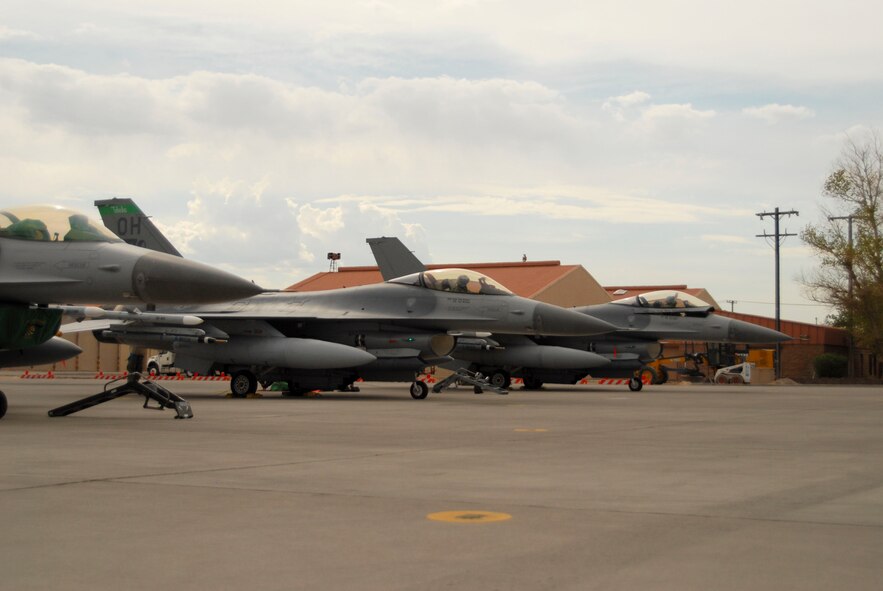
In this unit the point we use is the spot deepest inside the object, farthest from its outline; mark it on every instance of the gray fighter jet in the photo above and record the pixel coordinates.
(641, 322)
(328, 340)
(53, 255)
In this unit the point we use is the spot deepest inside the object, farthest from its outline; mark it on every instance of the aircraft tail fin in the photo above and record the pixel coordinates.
(125, 219)
(393, 258)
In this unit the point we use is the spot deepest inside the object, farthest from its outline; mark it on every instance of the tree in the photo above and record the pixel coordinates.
(850, 276)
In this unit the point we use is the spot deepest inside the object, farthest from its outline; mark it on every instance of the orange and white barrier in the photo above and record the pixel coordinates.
(37, 376)
(609, 381)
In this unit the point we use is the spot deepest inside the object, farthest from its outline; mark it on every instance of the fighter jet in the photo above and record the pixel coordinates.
(53, 255)
(641, 322)
(328, 340)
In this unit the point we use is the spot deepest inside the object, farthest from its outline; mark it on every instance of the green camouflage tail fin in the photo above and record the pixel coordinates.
(125, 219)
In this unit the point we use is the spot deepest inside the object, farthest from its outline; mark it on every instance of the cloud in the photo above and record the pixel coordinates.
(774, 113)
(319, 222)
(618, 105)
(9, 34)
(550, 202)
(643, 116)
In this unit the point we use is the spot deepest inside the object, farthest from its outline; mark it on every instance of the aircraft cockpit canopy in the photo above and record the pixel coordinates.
(454, 281)
(666, 298)
(45, 223)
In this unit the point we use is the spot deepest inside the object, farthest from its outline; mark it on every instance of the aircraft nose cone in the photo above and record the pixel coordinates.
(746, 332)
(554, 321)
(159, 278)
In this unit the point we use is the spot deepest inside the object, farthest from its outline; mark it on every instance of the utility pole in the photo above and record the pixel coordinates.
(850, 366)
(732, 304)
(777, 237)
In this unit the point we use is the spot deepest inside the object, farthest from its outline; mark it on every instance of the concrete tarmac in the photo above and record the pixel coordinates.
(675, 487)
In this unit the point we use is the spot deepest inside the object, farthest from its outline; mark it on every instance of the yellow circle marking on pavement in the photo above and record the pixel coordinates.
(468, 516)
(531, 430)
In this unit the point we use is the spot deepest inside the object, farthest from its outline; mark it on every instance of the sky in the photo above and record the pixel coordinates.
(638, 139)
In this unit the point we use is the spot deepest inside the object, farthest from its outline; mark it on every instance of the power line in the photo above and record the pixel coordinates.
(778, 237)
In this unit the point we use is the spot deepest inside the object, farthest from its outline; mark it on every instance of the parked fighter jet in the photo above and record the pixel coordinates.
(641, 322)
(53, 255)
(327, 340)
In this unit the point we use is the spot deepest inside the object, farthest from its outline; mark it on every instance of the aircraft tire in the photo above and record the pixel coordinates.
(419, 390)
(635, 384)
(531, 383)
(243, 383)
(500, 379)
(3, 404)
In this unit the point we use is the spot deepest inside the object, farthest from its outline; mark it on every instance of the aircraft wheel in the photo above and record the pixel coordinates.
(500, 379)
(531, 383)
(3, 404)
(635, 384)
(419, 390)
(243, 383)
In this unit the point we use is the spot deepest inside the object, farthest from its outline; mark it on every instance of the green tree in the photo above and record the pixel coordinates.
(850, 277)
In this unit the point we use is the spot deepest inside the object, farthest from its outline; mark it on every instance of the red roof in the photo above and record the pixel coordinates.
(524, 279)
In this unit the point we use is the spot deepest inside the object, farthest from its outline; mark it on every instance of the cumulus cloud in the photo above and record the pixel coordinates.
(642, 115)
(774, 113)
(618, 105)
(319, 222)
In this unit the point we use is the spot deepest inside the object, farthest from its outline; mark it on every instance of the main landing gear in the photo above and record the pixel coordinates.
(243, 383)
